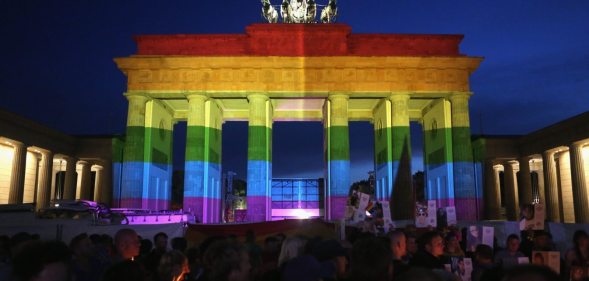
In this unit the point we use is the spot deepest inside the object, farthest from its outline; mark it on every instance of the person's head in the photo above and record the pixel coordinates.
(81, 246)
(473, 231)
(512, 243)
(179, 243)
(145, 247)
(527, 211)
(271, 244)
(581, 240)
(461, 268)
(291, 248)
(432, 243)
(483, 254)
(42, 260)
(173, 266)
(543, 240)
(371, 260)
(160, 242)
(398, 244)
(411, 240)
(530, 273)
(227, 261)
(452, 244)
(538, 259)
(127, 243)
(331, 250)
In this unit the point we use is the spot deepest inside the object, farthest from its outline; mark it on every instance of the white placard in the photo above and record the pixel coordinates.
(386, 216)
(425, 215)
(360, 214)
(533, 220)
(547, 258)
(462, 267)
(451, 215)
(479, 235)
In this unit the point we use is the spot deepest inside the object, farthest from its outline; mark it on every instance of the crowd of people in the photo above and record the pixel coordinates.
(408, 254)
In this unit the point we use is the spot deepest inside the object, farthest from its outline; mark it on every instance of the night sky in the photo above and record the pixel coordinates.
(57, 65)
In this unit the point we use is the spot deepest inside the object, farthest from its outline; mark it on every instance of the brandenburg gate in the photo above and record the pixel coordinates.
(298, 72)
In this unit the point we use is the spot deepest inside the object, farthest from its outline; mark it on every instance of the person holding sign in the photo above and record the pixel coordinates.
(509, 257)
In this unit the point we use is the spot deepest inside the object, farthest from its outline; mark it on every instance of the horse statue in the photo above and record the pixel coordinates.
(268, 12)
(298, 11)
(286, 11)
(329, 13)
(311, 11)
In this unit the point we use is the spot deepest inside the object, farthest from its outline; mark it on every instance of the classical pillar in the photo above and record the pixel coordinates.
(259, 158)
(106, 194)
(133, 155)
(467, 200)
(437, 152)
(337, 153)
(550, 186)
(383, 151)
(86, 181)
(69, 192)
(492, 192)
(581, 204)
(98, 184)
(17, 178)
(203, 159)
(157, 172)
(402, 201)
(45, 178)
(511, 196)
(525, 189)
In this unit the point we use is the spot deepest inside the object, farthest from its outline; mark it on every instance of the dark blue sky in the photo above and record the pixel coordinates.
(57, 66)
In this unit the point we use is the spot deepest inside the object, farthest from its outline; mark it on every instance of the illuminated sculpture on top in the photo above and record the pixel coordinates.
(299, 11)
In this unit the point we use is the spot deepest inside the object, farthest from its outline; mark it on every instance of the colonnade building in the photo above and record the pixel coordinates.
(548, 166)
(38, 164)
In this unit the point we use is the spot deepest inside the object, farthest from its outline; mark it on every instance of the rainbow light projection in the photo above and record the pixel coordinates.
(147, 158)
(202, 180)
(309, 73)
(337, 152)
(259, 159)
(392, 151)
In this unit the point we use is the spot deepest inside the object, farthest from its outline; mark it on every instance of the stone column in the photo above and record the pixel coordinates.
(85, 181)
(98, 184)
(512, 200)
(550, 186)
(579, 184)
(492, 193)
(466, 200)
(526, 180)
(69, 192)
(337, 152)
(45, 178)
(402, 203)
(17, 178)
(497, 171)
(259, 159)
(134, 153)
(203, 158)
(107, 183)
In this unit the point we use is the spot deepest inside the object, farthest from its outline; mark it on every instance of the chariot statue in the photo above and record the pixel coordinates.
(299, 11)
